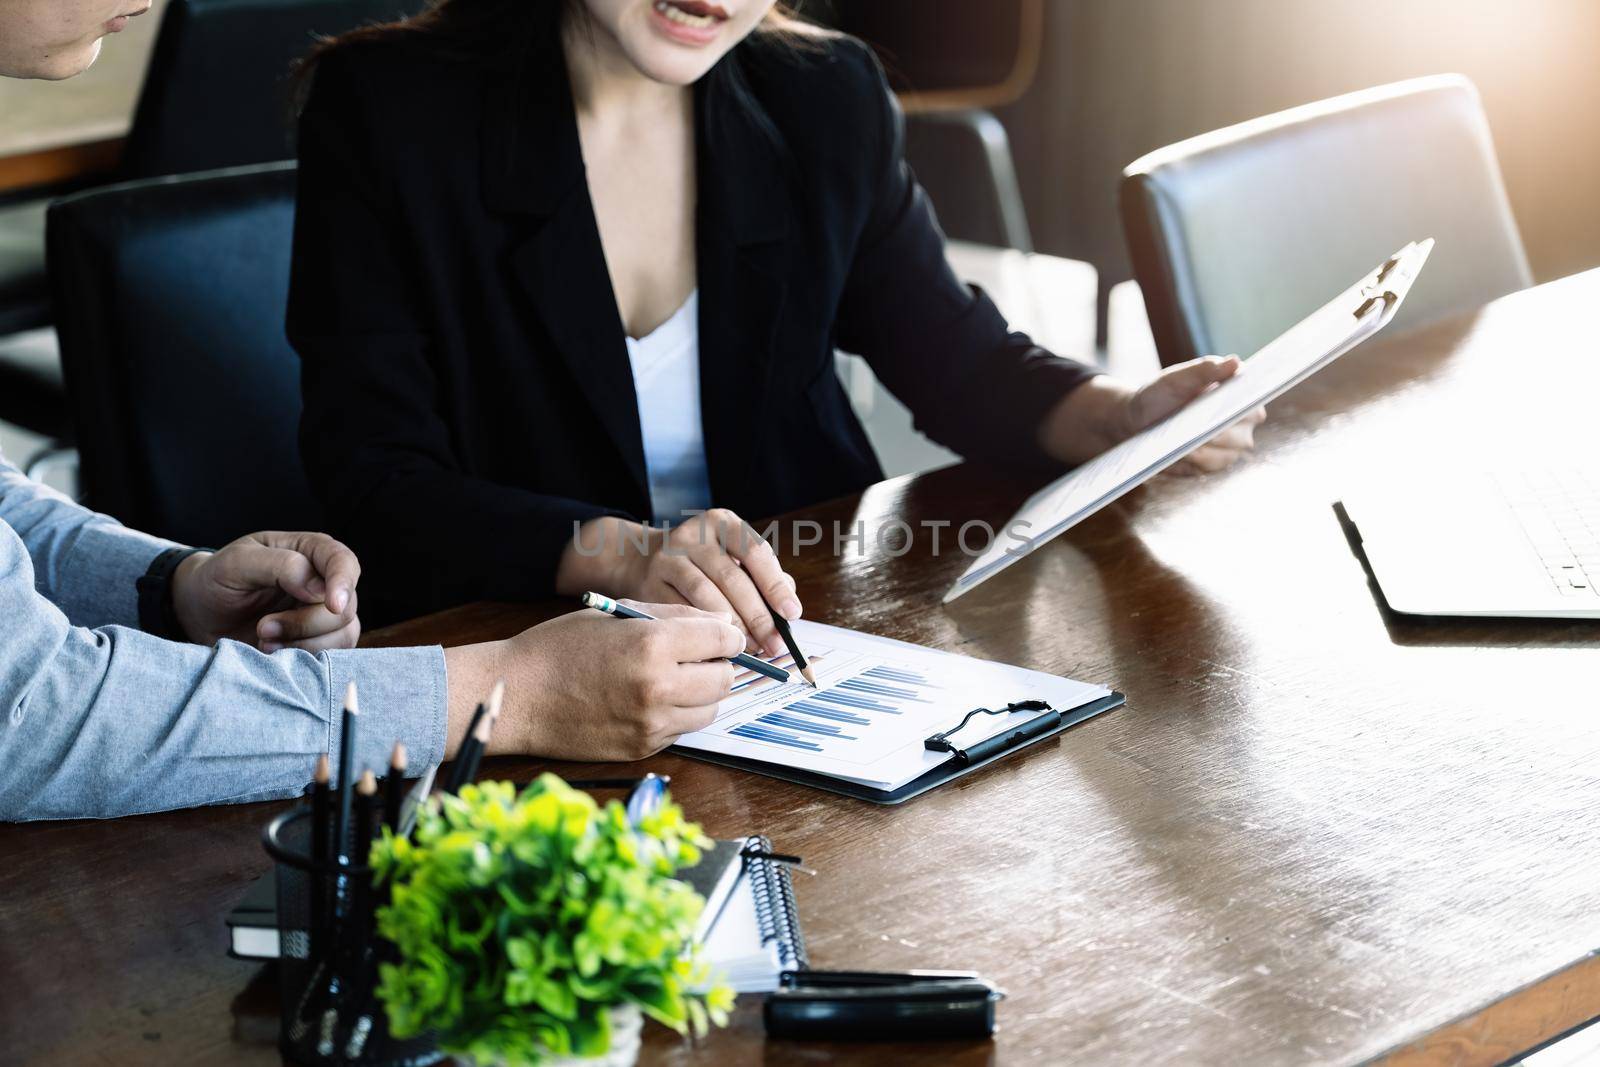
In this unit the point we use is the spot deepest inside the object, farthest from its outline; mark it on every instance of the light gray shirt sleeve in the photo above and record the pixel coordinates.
(85, 563)
(112, 721)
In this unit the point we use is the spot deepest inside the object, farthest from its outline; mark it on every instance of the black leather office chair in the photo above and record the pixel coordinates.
(185, 391)
(219, 88)
(951, 62)
(1237, 235)
(217, 93)
(31, 392)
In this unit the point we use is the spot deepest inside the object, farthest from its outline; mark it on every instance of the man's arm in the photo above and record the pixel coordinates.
(85, 563)
(107, 722)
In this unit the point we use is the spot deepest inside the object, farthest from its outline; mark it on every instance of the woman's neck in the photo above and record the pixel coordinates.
(605, 83)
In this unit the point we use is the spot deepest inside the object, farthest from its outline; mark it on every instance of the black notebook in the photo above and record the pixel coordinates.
(253, 923)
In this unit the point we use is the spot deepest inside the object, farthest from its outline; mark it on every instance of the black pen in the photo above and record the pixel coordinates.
(743, 659)
(347, 755)
(782, 625)
(339, 850)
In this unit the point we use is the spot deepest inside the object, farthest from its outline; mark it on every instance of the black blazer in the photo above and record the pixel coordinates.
(468, 394)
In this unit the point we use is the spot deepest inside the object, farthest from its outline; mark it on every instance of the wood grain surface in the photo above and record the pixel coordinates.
(58, 166)
(1318, 832)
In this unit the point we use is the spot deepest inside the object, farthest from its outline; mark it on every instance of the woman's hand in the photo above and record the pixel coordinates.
(716, 562)
(587, 686)
(1104, 412)
(272, 590)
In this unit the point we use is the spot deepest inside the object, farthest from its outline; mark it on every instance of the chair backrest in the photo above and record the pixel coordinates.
(170, 298)
(1238, 234)
(947, 54)
(218, 88)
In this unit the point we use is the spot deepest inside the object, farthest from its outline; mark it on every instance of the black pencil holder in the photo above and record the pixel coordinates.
(329, 953)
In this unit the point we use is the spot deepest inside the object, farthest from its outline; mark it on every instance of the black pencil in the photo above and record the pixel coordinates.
(457, 777)
(790, 643)
(366, 810)
(369, 896)
(743, 659)
(394, 787)
(458, 767)
(470, 754)
(319, 858)
(480, 737)
(357, 974)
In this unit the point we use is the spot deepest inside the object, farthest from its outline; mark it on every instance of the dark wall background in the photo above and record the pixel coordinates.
(1121, 77)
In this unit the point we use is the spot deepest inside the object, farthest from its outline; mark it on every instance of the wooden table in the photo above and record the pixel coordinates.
(1318, 833)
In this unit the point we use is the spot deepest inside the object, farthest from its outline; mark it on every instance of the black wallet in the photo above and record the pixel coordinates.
(869, 1006)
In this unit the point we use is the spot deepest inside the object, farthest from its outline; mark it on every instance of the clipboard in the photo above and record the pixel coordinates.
(1305, 348)
(956, 767)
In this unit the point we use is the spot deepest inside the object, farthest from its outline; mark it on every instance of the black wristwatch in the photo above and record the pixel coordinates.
(157, 614)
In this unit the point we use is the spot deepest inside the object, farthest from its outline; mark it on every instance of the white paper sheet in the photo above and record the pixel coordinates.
(734, 947)
(877, 701)
(1290, 359)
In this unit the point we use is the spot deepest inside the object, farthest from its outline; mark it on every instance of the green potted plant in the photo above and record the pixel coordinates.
(536, 928)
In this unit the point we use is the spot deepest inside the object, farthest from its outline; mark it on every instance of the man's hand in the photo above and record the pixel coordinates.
(586, 686)
(272, 590)
(1104, 412)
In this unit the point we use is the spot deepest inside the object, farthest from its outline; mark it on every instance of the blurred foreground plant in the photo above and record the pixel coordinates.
(521, 921)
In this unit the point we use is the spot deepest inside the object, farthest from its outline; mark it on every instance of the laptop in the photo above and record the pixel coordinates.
(1497, 543)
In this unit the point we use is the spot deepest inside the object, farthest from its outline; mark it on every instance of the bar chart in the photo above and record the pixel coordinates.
(845, 712)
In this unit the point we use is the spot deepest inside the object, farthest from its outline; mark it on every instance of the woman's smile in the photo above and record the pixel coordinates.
(691, 22)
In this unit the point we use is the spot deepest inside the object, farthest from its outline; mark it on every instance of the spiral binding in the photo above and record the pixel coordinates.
(775, 907)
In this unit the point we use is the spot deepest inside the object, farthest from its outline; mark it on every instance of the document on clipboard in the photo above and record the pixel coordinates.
(1305, 348)
(888, 720)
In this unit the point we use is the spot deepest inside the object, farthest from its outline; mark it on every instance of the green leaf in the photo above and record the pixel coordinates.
(556, 998)
(521, 952)
(591, 1035)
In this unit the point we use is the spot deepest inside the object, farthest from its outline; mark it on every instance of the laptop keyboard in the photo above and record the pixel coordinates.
(1560, 513)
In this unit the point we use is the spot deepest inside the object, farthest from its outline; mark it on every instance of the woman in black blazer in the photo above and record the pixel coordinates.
(494, 195)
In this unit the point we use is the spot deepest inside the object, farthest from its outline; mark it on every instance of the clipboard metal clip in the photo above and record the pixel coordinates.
(1387, 297)
(1047, 719)
(1377, 291)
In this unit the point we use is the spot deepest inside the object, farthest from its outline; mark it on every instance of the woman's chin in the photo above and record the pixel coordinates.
(671, 64)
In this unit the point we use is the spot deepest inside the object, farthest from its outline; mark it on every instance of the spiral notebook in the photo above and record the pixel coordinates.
(753, 932)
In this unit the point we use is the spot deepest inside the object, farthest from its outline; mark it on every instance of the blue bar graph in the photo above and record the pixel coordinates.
(856, 685)
(895, 674)
(834, 714)
(812, 720)
(805, 726)
(778, 737)
(851, 700)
